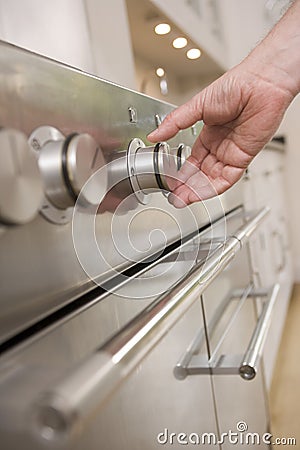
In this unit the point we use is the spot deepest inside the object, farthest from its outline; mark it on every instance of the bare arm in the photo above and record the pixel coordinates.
(241, 112)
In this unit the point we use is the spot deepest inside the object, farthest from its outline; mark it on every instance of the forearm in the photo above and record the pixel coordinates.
(277, 57)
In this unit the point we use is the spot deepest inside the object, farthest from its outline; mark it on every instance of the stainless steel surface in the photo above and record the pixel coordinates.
(79, 394)
(20, 182)
(33, 366)
(130, 419)
(193, 363)
(77, 102)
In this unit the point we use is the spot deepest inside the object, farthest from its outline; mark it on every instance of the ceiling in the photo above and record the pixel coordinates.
(158, 50)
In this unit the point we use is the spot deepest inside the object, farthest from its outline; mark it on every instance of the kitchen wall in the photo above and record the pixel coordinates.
(244, 25)
(57, 29)
(88, 34)
(110, 41)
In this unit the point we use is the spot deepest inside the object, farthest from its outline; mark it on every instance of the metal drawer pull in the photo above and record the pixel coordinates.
(244, 365)
(250, 362)
(64, 408)
(181, 370)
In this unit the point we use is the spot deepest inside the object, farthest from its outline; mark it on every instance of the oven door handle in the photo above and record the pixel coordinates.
(64, 408)
(245, 365)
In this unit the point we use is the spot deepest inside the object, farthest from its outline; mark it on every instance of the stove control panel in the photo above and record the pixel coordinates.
(66, 164)
(21, 189)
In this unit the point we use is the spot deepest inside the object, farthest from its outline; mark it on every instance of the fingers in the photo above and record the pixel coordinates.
(179, 119)
(197, 188)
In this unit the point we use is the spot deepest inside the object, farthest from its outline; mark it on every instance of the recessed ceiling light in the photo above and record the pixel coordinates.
(193, 53)
(160, 72)
(180, 42)
(162, 28)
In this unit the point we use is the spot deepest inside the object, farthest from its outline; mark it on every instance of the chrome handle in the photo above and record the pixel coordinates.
(62, 410)
(243, 233)
(244, 365)
(181, 369)
(248, 368)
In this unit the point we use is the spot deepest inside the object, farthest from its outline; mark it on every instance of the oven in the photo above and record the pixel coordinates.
(125, 323)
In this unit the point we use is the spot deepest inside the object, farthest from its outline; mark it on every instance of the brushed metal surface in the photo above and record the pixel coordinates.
(40, 268)
(130, 418)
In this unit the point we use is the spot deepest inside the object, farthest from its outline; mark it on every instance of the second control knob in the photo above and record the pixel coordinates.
(150, 168)
(21, 189)
(67, 164)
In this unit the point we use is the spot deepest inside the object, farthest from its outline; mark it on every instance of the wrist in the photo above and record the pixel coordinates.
(277, 58)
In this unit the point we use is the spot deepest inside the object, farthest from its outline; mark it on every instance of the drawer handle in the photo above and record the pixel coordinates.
(246, 364)
(66, 406)
(282, 264)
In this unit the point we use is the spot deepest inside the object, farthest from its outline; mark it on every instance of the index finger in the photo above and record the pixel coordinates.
(180, 118)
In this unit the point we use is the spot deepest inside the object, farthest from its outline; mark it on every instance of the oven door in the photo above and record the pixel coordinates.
(103, 379)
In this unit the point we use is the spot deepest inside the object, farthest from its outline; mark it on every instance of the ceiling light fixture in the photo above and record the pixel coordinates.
(162, 28)
(160, 72)
(193, 53)
(180, 42)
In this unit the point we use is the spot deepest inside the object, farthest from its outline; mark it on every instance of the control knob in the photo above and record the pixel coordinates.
(21, 189)
(152, 168)
(67, 164)
(182, 152)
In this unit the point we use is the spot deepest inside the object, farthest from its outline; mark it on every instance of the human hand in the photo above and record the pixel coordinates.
(241, 111)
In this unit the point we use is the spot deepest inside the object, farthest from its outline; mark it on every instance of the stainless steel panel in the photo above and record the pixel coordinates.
(150, 401)
(88, 386)
(40, 271)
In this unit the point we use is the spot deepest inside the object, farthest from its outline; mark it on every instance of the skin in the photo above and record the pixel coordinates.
(240, 111)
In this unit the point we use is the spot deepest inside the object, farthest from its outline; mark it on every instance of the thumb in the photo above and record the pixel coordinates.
(180, 118)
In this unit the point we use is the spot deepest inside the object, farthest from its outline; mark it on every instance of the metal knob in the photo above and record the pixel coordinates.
(182, 152)
(67, 164)
(21, 189)
(150, 168)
